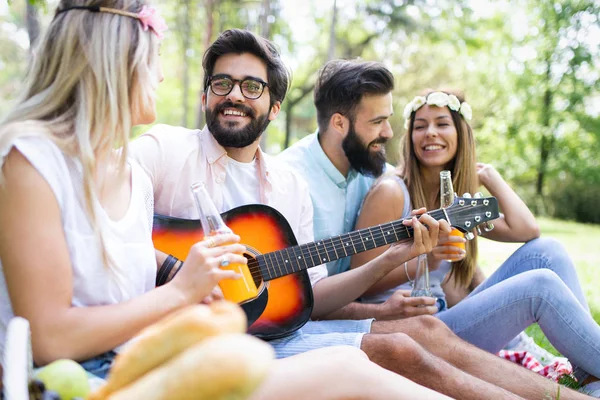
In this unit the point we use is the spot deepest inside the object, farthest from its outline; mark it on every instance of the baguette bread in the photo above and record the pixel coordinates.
(167, 338)
(226, 367)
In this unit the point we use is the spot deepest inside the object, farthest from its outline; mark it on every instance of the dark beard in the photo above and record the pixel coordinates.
(360, 157)
(228, 136)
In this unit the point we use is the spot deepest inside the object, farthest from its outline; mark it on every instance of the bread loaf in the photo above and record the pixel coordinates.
(226, 367)
(167, 338)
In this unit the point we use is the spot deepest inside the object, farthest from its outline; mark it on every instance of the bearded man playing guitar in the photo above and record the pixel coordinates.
(244, 85)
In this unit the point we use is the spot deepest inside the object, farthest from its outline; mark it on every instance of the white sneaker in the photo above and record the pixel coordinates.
(526, 343)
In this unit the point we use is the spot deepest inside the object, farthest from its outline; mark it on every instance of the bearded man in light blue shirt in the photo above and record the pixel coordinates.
(343, 158)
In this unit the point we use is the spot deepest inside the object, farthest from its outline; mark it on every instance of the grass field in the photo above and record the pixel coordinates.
(582, 241)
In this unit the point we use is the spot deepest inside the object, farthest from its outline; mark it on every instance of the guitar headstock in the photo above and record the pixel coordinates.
(466, 213)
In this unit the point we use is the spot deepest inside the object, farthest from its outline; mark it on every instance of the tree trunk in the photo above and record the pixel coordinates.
(331, 52)
(32, 21)
(548, 138)
(208, 34)
(288, 124)
(265, 28)
(265, 25)
(185, 39)
(289, 107)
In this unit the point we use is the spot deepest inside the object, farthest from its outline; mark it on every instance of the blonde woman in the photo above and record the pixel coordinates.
(76, 253)
(538, 283)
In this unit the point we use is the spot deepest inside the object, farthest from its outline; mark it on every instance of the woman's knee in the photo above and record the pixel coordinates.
(553, 251)
(539, 278)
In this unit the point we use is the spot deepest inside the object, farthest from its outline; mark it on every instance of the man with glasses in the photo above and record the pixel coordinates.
(244, 85)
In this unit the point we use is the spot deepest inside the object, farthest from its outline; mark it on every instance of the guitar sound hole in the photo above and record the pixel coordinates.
(254, 270)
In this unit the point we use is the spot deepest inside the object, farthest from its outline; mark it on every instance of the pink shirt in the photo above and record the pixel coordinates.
(176, 157)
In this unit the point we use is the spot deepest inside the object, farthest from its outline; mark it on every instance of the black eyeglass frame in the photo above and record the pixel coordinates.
(239, 82)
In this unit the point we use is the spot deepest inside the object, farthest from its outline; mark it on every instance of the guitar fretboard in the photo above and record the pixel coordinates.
(297, 258)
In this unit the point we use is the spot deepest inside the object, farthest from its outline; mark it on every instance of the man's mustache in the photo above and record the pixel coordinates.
(379, 141)
(240, 107)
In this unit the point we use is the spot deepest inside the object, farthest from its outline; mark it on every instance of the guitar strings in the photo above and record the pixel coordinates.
(313, 250)
(272, 265)
(273, 262)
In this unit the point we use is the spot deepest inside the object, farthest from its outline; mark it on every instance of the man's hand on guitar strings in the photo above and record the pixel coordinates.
(425, 237)
(443, 223)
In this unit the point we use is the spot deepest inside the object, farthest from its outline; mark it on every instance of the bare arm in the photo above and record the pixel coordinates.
(383, 204)
(517, 223)
(40, 282)
(336, 292)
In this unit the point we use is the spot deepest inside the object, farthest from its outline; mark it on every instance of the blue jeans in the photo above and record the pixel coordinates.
(99, 365)
(538, 283)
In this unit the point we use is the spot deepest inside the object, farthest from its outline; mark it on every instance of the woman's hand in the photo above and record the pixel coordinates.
(202, 271)
(516, 223)
(215, 295)
(487, 174)
(446, 248)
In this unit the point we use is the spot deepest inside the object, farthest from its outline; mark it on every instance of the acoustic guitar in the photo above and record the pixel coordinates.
(278, 264)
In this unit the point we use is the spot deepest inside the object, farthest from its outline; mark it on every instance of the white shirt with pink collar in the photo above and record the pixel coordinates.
(176, 157)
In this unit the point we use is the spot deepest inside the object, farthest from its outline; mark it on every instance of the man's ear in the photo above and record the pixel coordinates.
(203, 101)
(340, 124)
(275, 108)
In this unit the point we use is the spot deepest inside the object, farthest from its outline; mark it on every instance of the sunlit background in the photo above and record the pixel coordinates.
(529, 69)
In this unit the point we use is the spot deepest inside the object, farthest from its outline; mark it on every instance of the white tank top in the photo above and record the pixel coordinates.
(128, 241)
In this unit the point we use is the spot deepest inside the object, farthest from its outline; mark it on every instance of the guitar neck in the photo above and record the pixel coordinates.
(297, 258)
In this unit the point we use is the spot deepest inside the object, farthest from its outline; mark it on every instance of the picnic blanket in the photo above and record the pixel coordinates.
(559, 367)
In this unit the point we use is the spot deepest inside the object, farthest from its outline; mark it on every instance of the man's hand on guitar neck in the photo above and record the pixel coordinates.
(333, 296)
(423, 242)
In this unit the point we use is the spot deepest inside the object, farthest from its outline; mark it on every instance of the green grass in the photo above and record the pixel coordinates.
(582, 242)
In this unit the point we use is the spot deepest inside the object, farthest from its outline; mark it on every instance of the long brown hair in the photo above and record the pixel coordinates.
(464, 179)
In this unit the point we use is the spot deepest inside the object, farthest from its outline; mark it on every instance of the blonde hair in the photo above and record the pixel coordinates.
(464, 179)
(91, 72)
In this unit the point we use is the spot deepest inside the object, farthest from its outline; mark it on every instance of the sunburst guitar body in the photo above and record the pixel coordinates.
(284, 304)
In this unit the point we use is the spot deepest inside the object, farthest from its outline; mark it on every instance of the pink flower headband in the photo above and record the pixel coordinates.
(148, 17)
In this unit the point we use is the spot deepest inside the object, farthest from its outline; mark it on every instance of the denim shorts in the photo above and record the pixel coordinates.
(99, 366)
(318, 334)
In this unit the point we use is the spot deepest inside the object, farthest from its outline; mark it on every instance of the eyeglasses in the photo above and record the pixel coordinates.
(222, 85)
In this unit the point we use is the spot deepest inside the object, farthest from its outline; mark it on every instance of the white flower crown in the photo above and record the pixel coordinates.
(439, 99)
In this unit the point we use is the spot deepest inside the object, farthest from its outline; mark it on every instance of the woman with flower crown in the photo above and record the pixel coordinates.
(76, 253)
(537, 278)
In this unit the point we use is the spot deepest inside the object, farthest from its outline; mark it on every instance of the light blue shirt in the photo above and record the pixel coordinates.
(336, 199)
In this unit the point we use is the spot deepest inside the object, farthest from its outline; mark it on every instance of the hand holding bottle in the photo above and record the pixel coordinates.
(236, 290)
(450, 247)
(203, 271)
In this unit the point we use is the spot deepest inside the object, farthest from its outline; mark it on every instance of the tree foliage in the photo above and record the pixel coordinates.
(529, 68)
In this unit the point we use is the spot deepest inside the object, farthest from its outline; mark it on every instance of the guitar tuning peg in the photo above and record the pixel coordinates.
(478, 195)
(478, 230)
(488, 226)
(467, 195)
(469, 236)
